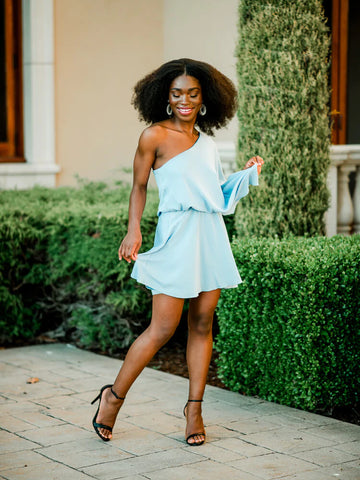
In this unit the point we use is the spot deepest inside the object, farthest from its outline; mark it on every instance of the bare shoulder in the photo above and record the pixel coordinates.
(152, 137)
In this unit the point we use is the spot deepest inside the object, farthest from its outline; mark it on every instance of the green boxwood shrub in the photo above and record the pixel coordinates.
(290, 333)
(59, 265)
(283, 66)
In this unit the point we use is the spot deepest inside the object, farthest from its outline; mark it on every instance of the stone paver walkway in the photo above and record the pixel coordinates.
(46, 430)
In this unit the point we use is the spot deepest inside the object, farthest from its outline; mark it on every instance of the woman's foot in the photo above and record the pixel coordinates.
(195, 432)
(107, 412)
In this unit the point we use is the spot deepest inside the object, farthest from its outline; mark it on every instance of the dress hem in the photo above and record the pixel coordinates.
(154, 291)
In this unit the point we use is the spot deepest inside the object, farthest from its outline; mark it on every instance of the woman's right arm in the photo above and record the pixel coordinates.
(144, 159)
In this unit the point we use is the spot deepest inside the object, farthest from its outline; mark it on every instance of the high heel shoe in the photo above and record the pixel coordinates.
(193, 435)
(100, 425)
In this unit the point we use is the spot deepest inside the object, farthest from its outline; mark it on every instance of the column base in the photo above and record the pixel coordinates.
(27, 175)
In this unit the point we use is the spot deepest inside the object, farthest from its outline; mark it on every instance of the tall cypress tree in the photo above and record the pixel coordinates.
(283, 65)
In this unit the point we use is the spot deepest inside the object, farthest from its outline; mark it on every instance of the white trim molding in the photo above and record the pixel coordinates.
(26, 175)
(39, 112)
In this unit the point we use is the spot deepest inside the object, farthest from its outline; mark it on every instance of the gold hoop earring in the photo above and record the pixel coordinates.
(202, 110)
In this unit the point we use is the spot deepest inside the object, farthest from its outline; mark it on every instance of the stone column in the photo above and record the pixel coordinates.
(356, 201)
(345, 209)
(331, 213)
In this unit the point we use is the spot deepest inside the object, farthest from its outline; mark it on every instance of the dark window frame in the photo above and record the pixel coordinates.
(339, 60)
(12, 150)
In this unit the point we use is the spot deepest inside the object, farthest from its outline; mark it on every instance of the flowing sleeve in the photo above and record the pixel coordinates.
(237, 187)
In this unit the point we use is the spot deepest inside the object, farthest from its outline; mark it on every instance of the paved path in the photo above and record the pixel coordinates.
(46, 428)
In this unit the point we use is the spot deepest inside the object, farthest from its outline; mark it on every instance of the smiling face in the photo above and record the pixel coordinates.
(185, 97)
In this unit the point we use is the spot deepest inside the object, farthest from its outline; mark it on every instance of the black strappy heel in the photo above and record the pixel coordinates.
(100, 425)
(193, 435)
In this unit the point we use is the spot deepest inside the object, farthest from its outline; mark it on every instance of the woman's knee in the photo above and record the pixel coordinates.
(160, 334)
(201, 312)
(201, 324)
(165, 318)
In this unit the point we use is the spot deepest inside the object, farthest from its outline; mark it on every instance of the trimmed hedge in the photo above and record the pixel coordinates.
(291, 332)
(59, 265)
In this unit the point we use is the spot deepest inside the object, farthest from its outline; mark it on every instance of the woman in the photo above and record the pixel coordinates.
(191, 257)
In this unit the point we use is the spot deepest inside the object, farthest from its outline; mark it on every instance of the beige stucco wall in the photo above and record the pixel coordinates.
(204, 30)
(102, 47)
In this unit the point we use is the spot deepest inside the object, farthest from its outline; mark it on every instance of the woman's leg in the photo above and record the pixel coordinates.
(166, 315)
(199, 350)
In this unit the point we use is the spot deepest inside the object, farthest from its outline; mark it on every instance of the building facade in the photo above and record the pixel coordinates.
(80, 61)
(68, 69)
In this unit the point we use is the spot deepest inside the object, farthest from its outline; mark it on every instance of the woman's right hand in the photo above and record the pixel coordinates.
(130, 246)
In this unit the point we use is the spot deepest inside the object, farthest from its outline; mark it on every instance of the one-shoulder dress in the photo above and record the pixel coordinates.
(191, 252)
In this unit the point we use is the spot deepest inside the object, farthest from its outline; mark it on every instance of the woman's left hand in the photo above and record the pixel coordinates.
(255, 161)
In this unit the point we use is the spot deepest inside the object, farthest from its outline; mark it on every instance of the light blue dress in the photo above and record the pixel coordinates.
(191, 252)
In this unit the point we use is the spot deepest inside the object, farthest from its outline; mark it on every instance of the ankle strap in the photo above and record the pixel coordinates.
(116, 395)
(195, 400)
